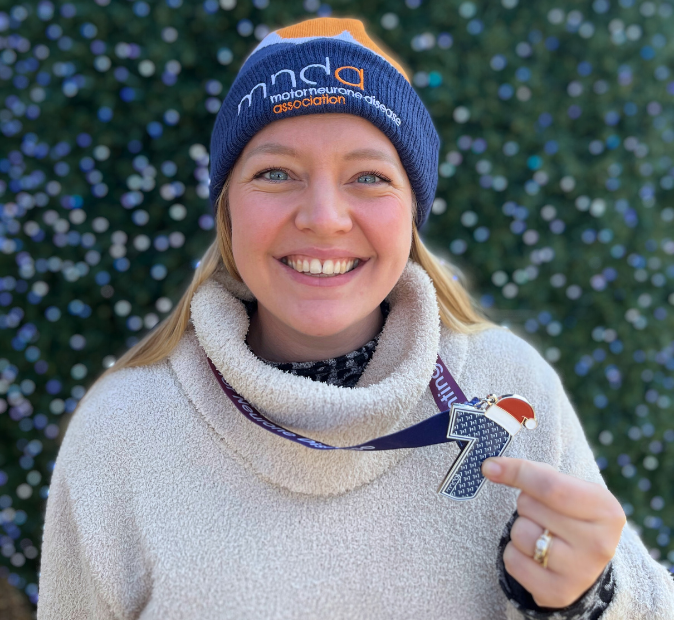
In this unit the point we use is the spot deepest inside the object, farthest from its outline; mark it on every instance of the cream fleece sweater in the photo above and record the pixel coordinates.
(166, 503)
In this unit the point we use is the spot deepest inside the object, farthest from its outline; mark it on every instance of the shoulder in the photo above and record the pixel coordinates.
(506, 352)
(125, 390)
(120, 409)
(501, 357)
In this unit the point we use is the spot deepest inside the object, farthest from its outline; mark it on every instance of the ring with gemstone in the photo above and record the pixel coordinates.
(543, 548)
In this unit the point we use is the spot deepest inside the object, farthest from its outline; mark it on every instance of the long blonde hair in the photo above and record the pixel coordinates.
(458, 310)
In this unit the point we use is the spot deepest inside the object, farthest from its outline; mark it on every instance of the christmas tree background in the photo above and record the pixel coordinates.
(554, 200)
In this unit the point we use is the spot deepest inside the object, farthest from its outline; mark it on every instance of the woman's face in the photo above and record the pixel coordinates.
(321, 211)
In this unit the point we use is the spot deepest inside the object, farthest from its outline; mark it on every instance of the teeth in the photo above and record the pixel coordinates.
(329, 267)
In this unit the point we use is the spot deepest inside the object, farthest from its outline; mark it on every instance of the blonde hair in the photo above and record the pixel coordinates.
(458, 310)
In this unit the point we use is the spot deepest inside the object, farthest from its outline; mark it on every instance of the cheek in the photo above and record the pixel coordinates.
(388, 228)
(255, 226)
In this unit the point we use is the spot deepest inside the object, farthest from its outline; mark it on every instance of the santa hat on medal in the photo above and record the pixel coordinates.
(512, 412)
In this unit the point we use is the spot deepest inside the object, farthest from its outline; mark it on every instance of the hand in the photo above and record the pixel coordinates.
(585, 521)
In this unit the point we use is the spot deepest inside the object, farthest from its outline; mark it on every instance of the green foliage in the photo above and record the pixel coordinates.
(556, 124)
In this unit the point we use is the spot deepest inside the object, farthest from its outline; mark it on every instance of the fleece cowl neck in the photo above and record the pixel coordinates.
(391, 394)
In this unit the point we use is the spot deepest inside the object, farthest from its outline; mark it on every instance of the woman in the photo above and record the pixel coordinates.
(319, 307)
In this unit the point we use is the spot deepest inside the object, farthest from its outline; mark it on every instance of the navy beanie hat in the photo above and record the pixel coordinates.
(327, 65)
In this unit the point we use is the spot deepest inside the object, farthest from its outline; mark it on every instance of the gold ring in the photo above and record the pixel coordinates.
(542, 548)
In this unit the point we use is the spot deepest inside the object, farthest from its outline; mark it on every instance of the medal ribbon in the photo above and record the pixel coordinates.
(429, 432)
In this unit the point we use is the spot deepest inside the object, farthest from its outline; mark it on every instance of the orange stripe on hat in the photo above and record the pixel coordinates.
(334, 26)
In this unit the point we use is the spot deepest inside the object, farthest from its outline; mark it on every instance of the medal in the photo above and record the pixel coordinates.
(483, 429)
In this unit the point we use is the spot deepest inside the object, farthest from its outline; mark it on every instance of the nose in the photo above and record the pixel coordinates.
(324, 209)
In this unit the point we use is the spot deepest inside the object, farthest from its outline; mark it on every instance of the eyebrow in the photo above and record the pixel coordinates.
(272, 147)
(370, 154)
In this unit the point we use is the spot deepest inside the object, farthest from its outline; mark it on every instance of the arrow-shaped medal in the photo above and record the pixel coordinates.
(482, 430)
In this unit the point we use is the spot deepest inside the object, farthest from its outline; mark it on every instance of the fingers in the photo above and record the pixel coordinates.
(567, 528)
(547, 589)
(563, 493)
(598, 538)
(579, 549)
(524, 535)
(570, 571)
(585, 521)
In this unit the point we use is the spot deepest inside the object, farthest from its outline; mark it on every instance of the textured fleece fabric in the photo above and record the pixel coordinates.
(166, 503)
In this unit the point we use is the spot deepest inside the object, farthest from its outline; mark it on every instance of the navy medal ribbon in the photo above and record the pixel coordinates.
(481, 427)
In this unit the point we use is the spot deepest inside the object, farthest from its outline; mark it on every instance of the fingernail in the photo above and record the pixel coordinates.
(491, 468)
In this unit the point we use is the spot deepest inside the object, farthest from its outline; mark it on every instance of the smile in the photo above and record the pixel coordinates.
(315, 267)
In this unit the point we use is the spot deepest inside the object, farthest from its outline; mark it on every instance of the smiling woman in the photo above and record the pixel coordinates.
(245, 459)
(299, 202)
(323, 207)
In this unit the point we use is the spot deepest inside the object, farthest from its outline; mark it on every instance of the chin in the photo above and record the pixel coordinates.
(321, 326)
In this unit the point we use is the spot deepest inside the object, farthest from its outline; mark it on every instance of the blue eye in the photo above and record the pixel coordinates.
(275, 174)
(369, 178)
